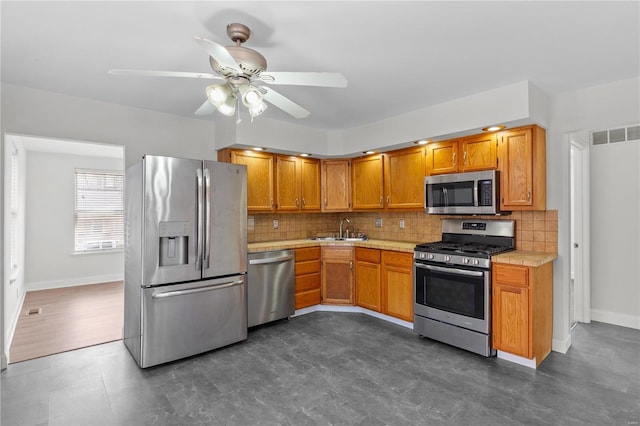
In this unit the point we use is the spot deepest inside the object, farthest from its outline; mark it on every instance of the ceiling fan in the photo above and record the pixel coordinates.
(242, 69)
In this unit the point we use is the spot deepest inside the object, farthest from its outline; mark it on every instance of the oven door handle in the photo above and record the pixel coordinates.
(450, 270)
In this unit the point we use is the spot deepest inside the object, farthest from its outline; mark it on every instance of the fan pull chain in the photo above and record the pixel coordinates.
(238, 121)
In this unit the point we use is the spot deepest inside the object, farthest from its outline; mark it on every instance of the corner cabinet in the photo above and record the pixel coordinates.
(337, 275)
(522, 166)
(260, 178)
(297, 184)
(336, 185)
(522, 309)
(307, 274)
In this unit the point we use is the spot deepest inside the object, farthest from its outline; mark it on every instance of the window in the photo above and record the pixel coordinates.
(99, 210)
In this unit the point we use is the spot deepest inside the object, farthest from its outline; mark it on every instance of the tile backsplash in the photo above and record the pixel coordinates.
(535, 230)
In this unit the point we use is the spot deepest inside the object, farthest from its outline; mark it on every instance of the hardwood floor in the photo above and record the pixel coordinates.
(70, 318)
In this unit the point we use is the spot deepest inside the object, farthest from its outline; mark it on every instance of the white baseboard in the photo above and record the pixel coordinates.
(623, 320)
(353, 309)
(561, 346)
(71, 282)
(531, 363)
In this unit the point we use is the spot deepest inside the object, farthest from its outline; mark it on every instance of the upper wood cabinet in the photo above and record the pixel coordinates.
(469, 154)
(442, 157)
(367, 182)
(336, 185)
(522, 166)
(260, 177)
(404, 172)
(479, 152)
(297, 184)
(393, 180)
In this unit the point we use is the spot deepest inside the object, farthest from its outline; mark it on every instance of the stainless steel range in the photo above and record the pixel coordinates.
(453, 282)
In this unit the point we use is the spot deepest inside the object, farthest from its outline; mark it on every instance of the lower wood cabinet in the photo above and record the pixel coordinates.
(337, 275)
(397, 284)
(522, 309)
(307, 273)
(368, 287)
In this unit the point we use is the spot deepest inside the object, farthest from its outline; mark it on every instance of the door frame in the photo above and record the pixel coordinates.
(580, 257)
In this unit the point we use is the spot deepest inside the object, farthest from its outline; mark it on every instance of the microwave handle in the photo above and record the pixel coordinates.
(475, 193)
(446, 196)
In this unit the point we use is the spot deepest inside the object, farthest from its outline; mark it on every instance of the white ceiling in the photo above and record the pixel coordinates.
(397, 56)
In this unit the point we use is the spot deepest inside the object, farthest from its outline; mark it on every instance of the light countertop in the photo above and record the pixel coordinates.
(402, 246)
(525, 258)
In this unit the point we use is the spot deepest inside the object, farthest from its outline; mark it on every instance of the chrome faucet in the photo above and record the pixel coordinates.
(341, 222)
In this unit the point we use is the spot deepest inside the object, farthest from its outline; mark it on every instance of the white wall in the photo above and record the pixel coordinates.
(50, 261)
(615, 233)
(594, 108)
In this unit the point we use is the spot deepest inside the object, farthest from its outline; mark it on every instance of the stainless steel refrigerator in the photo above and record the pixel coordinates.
(185, 258)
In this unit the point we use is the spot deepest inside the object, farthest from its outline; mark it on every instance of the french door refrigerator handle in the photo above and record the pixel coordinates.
(196, 290)
(199, 219)
(207, 218)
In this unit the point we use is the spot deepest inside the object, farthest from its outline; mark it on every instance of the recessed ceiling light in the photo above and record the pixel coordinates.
(369, 152)
(257, 148)
(493, 128)
(423, 142)
(304, 154)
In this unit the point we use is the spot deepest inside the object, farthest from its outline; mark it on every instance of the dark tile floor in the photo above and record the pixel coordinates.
(333, 369)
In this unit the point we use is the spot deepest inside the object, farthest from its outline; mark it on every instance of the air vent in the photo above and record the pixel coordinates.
(621, 134)
(34, 311)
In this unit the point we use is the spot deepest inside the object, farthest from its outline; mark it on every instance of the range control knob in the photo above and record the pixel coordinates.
(447, 258)
(431, 256)
(476, 262)
(465, 260)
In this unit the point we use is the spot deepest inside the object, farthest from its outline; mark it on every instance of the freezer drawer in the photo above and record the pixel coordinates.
(270, 286)
(186, 319)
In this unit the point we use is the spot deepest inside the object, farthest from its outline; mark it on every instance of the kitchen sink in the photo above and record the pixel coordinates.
(338, 239)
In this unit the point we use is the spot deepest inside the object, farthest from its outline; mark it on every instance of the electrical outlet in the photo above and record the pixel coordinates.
(276, 223)
(401, 223)
(251, 224)
(378, 222)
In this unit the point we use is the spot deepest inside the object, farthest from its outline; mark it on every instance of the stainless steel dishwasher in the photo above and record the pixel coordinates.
(270, 286)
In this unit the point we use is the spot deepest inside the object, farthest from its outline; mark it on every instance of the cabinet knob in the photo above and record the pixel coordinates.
(381, 201)
(464, 158)
(454, 159)
(529, 195)
(297, 202)
(388, 199)
(304, 203)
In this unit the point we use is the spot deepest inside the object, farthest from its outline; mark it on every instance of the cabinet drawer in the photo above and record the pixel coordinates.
(307, 253)
(397, 258)
(308, 298)
(308, 282)
(337, 252)
(368, 255)
(310, 267)
(511, 274)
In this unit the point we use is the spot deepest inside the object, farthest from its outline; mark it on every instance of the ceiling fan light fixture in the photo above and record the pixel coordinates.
(219, 94)
(258, 109)
(228, 108)
(251, 96)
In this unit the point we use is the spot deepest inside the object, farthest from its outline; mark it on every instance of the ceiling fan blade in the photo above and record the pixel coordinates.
(285, 104)
(206, 108)
(219, 53)
(325, 79)
(152, 73)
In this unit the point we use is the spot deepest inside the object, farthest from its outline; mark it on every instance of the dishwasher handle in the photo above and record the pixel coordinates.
(270, 260)
(196, 290)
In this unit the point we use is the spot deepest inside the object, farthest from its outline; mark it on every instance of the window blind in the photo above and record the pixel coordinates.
(99, 210)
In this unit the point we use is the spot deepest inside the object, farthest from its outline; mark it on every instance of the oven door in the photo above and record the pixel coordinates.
(455, 295)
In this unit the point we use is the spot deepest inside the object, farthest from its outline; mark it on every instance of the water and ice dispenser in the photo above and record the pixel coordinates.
(174, 243)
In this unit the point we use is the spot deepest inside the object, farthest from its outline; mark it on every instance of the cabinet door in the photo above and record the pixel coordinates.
(442, 157)
(337, 275)
(260, 185)
(404, 178)
(522, 166)
(397, 285)
(336, 185)
(309, 184)
(367, 182)
(287, 183)
(511, 319)
(479, 153)
(368, 289)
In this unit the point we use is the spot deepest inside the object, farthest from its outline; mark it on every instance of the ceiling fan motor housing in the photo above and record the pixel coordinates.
(251, 63)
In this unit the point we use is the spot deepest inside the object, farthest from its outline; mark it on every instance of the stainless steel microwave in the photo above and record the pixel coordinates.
(463, 193)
